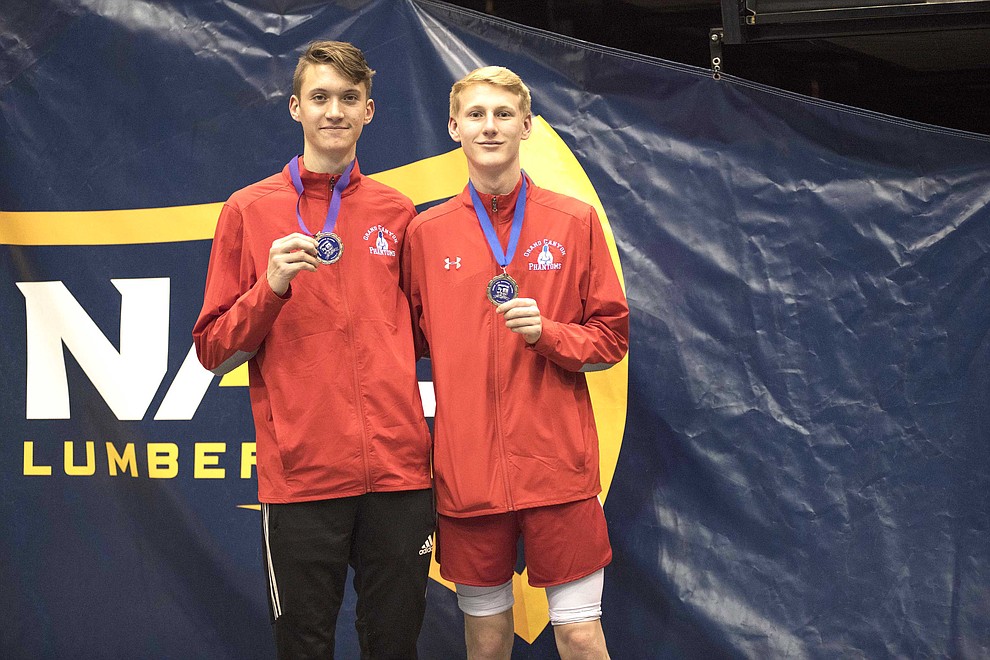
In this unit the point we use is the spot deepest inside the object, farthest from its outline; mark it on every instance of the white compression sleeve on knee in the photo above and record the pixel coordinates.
(485, 601)
(577, 601)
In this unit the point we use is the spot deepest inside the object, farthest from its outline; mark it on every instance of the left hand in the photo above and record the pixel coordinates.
(522, 316)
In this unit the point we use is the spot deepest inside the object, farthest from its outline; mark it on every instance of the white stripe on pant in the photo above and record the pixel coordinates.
(273, 585)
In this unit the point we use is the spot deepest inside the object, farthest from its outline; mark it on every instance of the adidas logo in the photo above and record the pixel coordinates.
(427, 547)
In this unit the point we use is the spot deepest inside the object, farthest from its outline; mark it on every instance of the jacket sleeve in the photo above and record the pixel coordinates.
(239, 309)
(410, 287)
(601, 338)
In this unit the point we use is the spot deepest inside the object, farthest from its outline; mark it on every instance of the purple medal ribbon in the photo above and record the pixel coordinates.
(334, 208)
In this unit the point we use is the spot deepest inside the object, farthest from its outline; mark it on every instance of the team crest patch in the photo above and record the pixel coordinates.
(381, 241)
(546, 254)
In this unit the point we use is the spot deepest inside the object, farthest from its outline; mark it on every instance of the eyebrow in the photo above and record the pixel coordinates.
(478, 106)
(323, 90)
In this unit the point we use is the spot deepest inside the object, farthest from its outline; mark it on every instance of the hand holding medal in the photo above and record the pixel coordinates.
(289, 256)
(522, 316)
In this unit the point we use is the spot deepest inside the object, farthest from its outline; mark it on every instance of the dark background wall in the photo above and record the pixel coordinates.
(914, 67)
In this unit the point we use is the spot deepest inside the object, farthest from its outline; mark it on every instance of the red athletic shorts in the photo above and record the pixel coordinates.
(563, 543)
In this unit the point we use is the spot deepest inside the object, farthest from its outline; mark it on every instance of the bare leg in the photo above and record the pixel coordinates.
(581, 641)
(490, 637)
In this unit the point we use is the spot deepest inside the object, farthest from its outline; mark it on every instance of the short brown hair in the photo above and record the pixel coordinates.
(346, 58)
(498, 76)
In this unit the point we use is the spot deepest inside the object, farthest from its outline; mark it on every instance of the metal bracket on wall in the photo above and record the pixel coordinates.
(715, 37)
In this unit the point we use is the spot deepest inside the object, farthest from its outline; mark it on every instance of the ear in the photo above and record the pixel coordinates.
(452, 129)
(294, 107)
(369, 111)
(527, 126)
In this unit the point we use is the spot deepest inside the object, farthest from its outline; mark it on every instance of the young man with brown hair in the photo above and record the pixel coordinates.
(514, 292)
(304, 283)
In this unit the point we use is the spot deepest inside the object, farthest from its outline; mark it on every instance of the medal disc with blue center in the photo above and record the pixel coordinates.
(329, 247)
(502, 289)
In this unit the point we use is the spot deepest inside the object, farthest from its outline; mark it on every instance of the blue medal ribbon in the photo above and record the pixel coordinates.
(334, 209)
(502, 258)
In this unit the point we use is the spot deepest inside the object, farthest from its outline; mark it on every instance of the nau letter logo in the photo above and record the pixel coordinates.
(127, 379)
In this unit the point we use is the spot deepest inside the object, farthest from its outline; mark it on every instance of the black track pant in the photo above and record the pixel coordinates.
(385, 537)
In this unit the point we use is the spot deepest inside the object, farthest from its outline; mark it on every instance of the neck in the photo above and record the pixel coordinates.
(494, 183)
(326, 163)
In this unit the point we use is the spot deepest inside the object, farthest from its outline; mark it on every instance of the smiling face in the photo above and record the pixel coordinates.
(490, 124)
(333, 111)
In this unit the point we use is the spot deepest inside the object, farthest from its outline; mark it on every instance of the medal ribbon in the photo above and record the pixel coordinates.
(334, 209)
(502, 258)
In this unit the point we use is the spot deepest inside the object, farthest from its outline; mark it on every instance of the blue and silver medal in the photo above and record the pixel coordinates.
(329, 247)
(501, 288)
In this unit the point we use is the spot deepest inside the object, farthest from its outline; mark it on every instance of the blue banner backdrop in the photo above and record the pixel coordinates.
(804, 471)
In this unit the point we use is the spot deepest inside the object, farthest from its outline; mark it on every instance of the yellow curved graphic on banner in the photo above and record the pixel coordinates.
(545, 157)
(171, 224)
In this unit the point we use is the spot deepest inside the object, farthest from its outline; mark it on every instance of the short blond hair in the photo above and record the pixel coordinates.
(497, 76)
(346, 58)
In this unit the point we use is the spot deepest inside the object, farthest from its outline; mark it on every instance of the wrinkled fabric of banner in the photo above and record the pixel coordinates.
(804, 469)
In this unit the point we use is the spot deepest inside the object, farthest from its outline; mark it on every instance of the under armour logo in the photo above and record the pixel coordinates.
(447, 263)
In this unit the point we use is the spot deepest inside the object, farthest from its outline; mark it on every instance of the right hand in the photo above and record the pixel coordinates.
(289, 256)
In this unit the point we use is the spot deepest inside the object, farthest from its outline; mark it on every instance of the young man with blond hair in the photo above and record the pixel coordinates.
(303, 283)
(514, 295)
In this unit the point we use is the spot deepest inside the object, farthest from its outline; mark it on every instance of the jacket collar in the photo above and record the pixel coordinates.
(317, 184)
(506, 203)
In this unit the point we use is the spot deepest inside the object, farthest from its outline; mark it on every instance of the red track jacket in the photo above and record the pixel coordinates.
(514, 426)
(333, 386)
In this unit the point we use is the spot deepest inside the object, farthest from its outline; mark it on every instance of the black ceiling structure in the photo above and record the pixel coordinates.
(926, 61)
